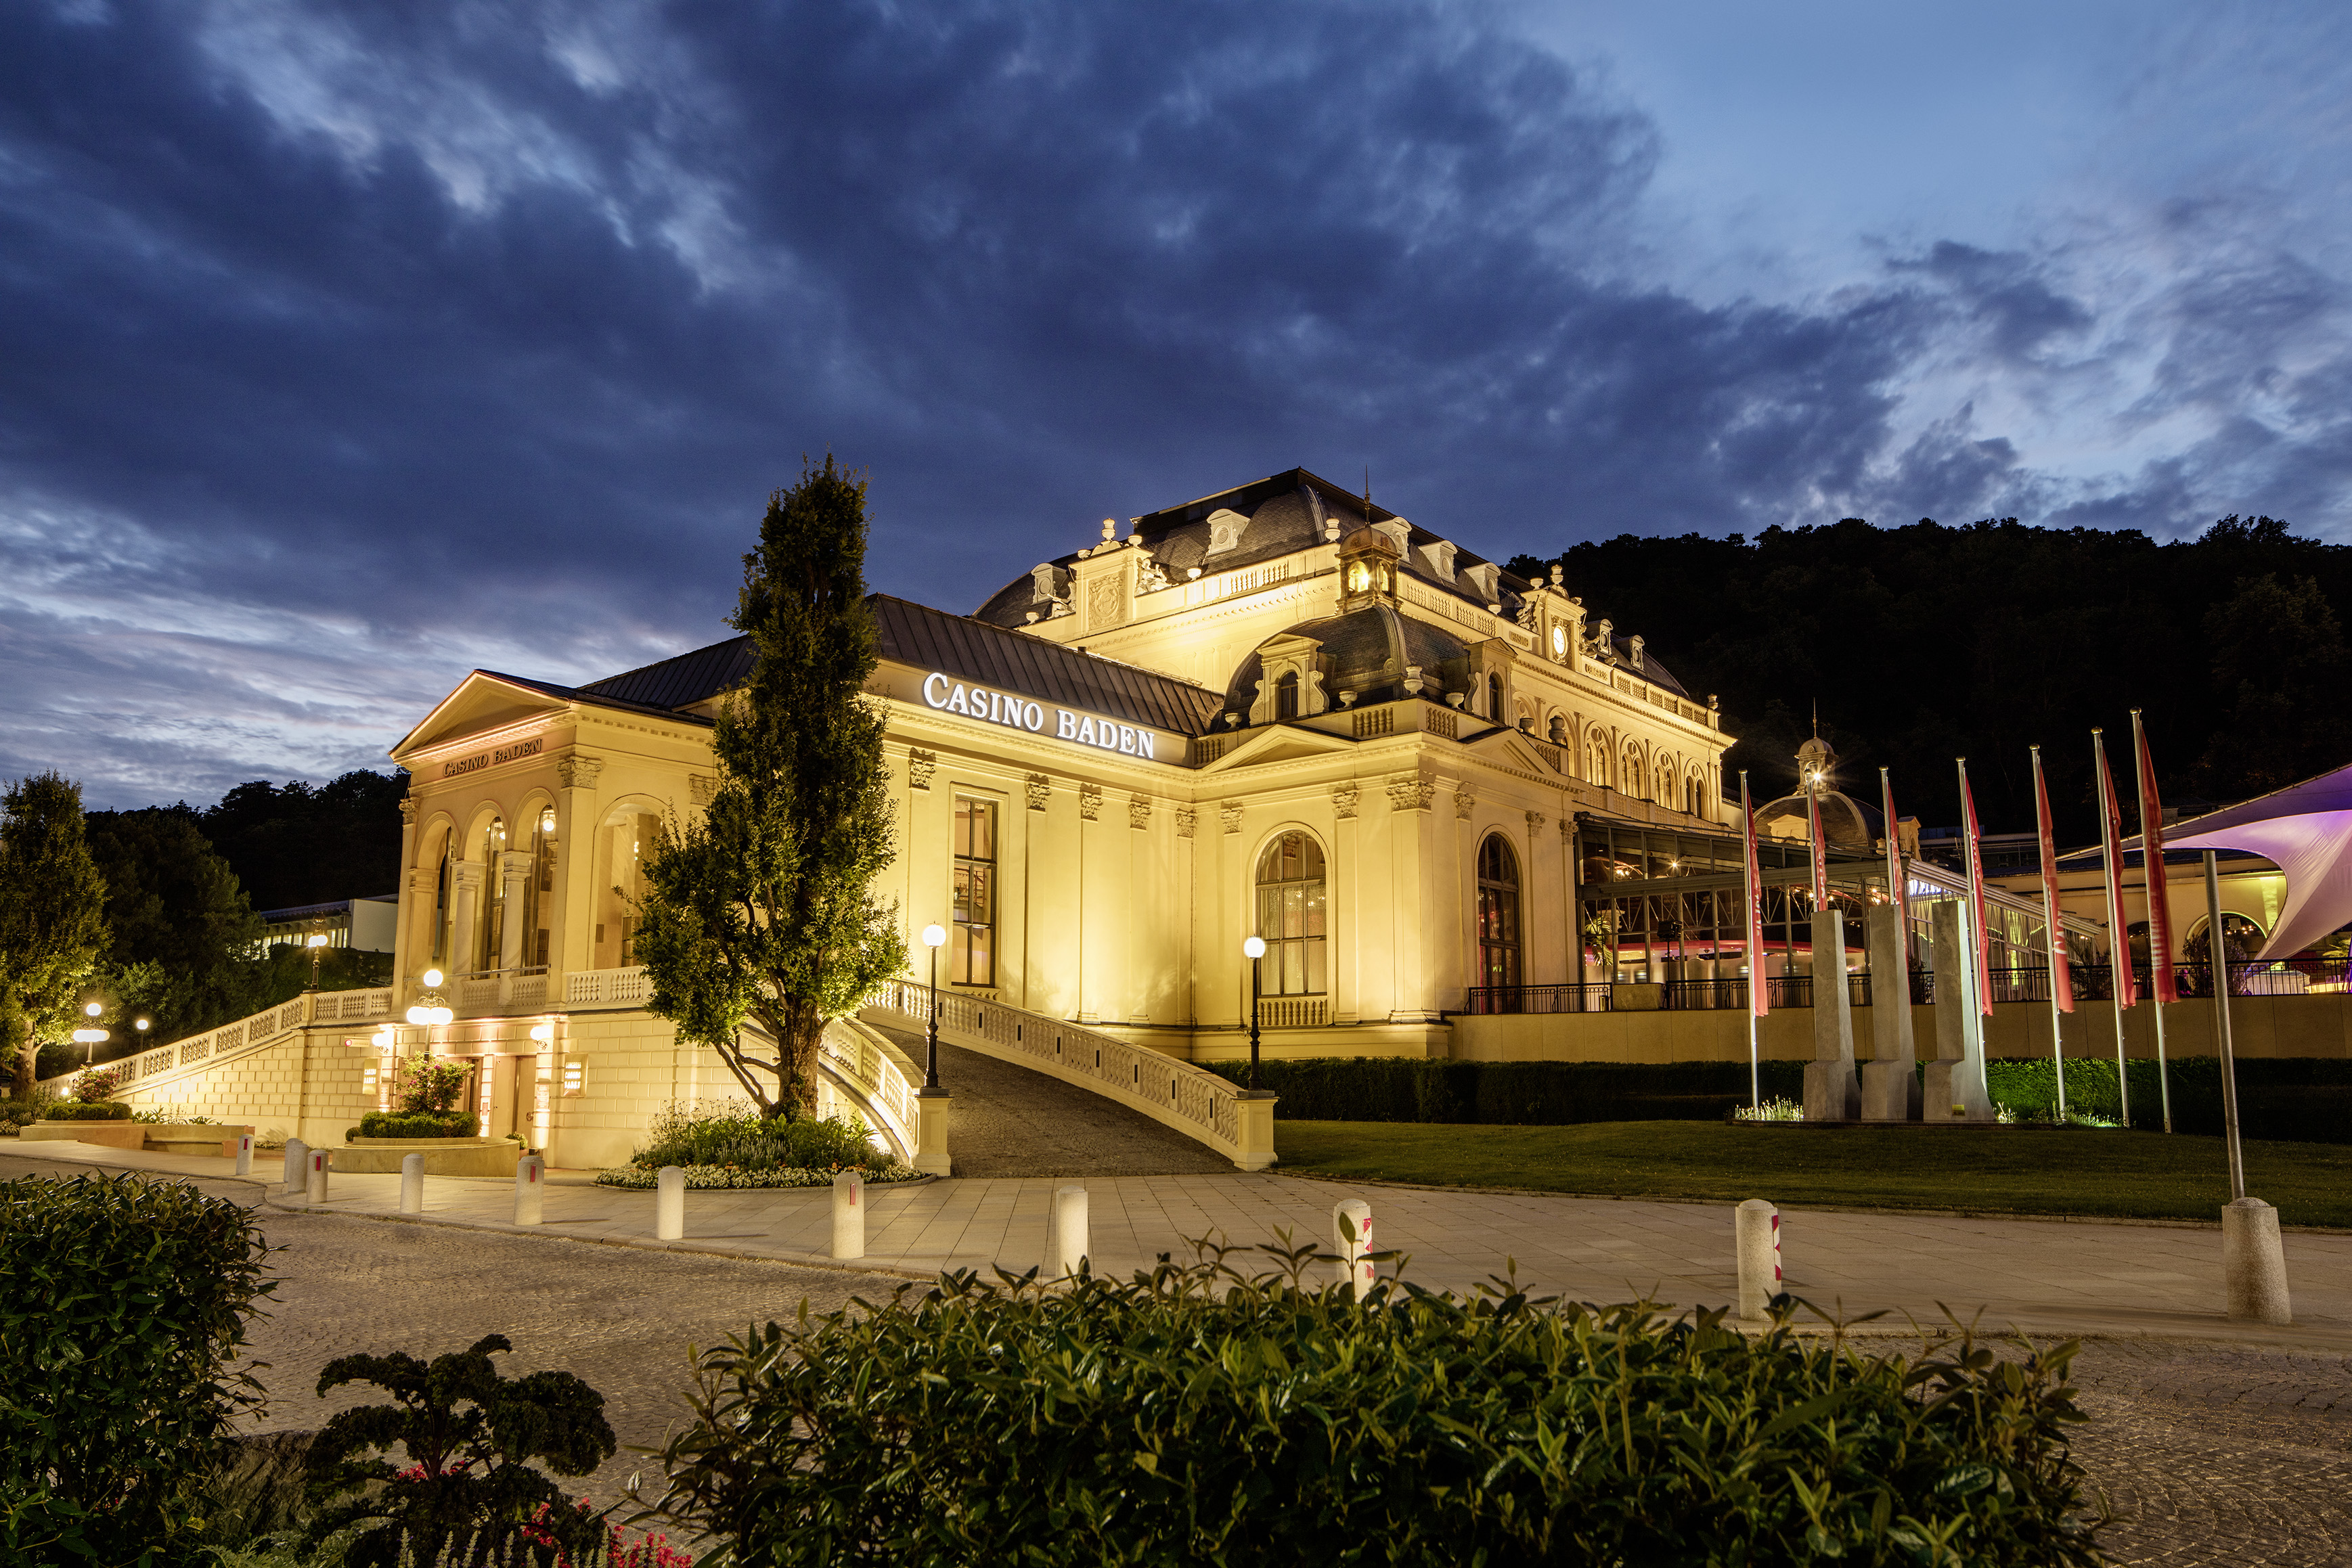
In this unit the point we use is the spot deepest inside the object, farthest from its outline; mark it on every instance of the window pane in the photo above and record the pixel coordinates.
(1315, 985)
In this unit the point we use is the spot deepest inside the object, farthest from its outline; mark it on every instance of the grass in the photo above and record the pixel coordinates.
(2007, 1170)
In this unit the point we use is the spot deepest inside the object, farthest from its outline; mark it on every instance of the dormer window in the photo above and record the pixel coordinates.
(1485, 580)
(1226, 530)
(1633, 652)
(1438, 556)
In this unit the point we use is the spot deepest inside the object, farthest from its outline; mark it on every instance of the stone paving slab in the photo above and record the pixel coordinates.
(2039, 1276)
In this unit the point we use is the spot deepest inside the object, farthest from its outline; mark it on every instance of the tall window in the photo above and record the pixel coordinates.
(1494, 698)
(971, 956)
(1499, 912)
(1285, 697)
(1629, 781)
(539, 898)
(490, 929)
(1290, 917)
(1597, 762)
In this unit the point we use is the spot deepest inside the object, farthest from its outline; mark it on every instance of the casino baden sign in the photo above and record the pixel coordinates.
(1016, 712)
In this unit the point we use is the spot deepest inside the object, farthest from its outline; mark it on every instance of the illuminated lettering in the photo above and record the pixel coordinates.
(1066, 727)
(1087, 733)
(1008, 708)
(957, 704)
(1033, 717)
(940, 701)
(1126, 739)
(1143, 744)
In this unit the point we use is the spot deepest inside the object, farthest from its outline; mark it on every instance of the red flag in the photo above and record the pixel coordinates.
(2062, 977)
(2111, 849)
(1974, 841)
(1821, 850)
(1894, 888)
(2151, 865)
(1758, 1000)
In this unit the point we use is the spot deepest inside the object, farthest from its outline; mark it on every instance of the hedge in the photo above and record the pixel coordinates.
(1195, 1415)
(2306, 1099)
(419, 1124)
(1537, 1094)
(122, 1304)
(86, 1110)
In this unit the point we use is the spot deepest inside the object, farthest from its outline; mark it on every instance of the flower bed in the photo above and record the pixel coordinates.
(643, 1179)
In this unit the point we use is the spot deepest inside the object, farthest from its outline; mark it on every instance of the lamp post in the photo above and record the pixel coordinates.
(935, 938)
(432, 1006)
(317, 943)
(89, 1038)
(1253, 948)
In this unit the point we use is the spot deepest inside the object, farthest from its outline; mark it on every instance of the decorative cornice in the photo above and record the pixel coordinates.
(1409, 793)
(577, 771)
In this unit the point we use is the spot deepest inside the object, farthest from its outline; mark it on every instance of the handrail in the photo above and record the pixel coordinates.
(1195, 1101)
(242, 1037)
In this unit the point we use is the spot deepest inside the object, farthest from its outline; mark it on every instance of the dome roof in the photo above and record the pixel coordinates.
(1365, 653)
(1845, 822)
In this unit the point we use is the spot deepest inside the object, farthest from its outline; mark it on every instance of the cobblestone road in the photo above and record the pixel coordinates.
(2210, 1452)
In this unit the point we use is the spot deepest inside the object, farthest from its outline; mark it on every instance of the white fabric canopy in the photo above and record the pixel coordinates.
(2305, 829)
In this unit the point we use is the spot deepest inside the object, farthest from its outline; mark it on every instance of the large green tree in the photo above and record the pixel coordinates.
(759, 920)
(176, 911)
(52, 915)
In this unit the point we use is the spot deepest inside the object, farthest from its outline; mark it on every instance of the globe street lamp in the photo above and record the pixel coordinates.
(89, 1038)
(317, 943)
(431, 1007)
(935, 938)
(1253, 948)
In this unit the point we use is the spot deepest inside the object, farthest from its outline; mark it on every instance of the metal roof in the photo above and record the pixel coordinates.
(960, 645)
(679, 682)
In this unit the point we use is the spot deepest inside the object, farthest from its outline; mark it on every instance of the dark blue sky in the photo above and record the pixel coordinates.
(345, 348)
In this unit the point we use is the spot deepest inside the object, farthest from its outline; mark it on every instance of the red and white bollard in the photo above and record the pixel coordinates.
(849, 1214)
(244, 1154)
(531, 1189)
(1351, 1239)
(318, 1162)
(1756, 1227)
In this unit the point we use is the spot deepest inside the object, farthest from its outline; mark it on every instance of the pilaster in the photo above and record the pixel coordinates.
(569, 938)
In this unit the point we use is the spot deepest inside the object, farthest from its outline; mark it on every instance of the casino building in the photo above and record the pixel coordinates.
(1275, 710)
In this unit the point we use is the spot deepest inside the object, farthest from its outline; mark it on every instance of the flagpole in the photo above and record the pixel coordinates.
(2158, 890)
(2050, 926)
(2119, 975)
(1973, 842)
(1751, 934)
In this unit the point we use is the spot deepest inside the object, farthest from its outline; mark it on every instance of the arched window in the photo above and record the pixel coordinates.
(1597, 761)
(1290, 912)
(1285, 697)
(1499, 912)
(1629, 781)
(489, 928)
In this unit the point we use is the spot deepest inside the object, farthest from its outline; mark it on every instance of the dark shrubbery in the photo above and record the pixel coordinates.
(84, 1110)
(1533, 1093)
(421, 1124)
(1195, 1415)
(122, 1304)
(732, 1134)
(15, 1114)
(2299, 1099)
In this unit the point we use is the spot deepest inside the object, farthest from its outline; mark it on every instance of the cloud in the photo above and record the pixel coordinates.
(380, 341)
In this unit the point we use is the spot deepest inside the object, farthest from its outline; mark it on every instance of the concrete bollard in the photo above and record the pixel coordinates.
(1351, 1239)
(669, 1205)
(1757, 1229)
(318, 1164)
(297, 1164)
(244, 1154)
(412, 1183)
(531, 1189)
(849, 1214)
(2254, 1264)
(1067, 1242)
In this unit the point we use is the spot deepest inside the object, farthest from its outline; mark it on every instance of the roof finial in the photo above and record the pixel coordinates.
(1368, 495)
(1817, 718)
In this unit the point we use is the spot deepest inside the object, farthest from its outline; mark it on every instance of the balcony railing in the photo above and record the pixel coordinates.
(2092, 982)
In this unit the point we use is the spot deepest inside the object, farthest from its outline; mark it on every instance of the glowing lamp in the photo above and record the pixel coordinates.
(1254, 946)
(934, 936)
(431, 978)
(316, 939)
(92, 1009)
(542, 1032)
(420, 1015)
(141, 1025)
(89, 1036)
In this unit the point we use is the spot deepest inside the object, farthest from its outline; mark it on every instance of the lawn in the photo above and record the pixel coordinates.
(2009, 1170)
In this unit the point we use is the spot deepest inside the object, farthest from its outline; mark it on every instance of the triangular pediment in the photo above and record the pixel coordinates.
(1279, 744)
(1517, 748)
(483, 702)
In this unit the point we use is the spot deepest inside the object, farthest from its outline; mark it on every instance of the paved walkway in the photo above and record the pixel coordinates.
(1010, 1120)
(2040, 1276)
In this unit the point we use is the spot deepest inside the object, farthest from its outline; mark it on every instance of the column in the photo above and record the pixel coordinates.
(572, 927)
(1344, 914)
(513, 871)
(465, 902)
(1414, 897)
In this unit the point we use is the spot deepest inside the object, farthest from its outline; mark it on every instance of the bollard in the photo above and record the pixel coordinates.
(2254, 1264)
(1756, 1227)
(849, 1214)
(1351, 1238)
(1067, 1237)
(412, 1183)
(531, 1189)
(244, 1154)
(297, 1164)
(669, 1205)
(318, 1160)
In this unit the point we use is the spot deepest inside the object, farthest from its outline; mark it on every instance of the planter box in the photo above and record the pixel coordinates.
(207, 1138)
(110, 1134)
(442, 1157)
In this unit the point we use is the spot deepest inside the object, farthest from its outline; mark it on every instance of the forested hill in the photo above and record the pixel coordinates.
(1927, 643)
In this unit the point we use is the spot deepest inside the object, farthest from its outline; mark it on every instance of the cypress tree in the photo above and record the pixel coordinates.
(52, 914)
(759, 922)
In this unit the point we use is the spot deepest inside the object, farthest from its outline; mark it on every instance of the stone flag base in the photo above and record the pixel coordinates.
(1830, 1093)
(1953, 1094)
(1890, 1092)
(2253, 1263)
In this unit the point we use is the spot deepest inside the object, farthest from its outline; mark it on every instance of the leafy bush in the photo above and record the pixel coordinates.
(1196, 1416)
(15, 1114)
(86, 1110)
(430, 1086)
(472, 1438)
(96, 1083)
(420, 1125)
(645, 1178)
(168, 1116)
(1537, 1094)
(730, 1133)
(122, 1304)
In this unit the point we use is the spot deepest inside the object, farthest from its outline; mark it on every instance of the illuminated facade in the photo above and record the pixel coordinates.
(1272, 711)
